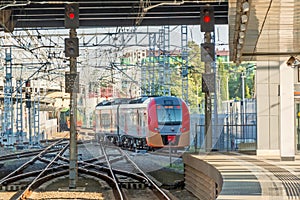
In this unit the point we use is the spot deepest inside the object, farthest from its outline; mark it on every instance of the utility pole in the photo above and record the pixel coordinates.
(243, 112)
(207, 23)
(243, 76)
(208, 104)
(73, 173)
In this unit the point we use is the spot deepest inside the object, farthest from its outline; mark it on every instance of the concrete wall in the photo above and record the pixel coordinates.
(201, 178)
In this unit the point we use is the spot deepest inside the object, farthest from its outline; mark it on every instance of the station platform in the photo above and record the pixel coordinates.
(247, 177)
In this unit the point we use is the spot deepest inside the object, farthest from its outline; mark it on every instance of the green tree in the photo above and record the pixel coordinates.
(195, 69)
(195, 75)
(228, 77)
(223, 79)
(235, 81)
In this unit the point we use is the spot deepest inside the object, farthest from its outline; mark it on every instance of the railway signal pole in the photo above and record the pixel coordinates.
(207, 23)
(72, 86)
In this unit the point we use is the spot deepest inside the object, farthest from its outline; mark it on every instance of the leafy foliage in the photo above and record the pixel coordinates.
(229, 77)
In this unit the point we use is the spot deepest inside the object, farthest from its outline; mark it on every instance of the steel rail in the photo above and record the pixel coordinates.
(35, 173)
(20, 155)
(116, 171)
(25, 165)
(23, 154)
(158, 191)
(155, 188)
(94, 159)
(83, 166)
(26, 193)
(86, 164)
(118, 188)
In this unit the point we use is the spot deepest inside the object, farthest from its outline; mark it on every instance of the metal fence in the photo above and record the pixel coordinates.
(229, 130)
(228, 137)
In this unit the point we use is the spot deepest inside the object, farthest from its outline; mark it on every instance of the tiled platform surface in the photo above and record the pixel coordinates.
(247, 177)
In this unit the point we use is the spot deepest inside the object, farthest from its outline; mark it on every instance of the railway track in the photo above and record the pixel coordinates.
(53, 164)
(33, 177)
(130, 177)
(27, 154)
(44, 175)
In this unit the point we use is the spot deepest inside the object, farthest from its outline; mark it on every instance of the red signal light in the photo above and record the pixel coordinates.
(206, 19)
(72, 15)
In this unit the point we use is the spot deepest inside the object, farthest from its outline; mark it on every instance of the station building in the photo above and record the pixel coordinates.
(268, 32)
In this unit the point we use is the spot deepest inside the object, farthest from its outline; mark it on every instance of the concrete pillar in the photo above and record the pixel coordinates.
(287, 121)
(268, 117)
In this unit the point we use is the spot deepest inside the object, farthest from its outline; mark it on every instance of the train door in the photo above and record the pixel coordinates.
(297, 109)
(142, 121)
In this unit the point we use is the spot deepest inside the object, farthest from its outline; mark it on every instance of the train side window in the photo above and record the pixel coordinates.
(139, 121)
(131, 120)
(115, 120)
(112, 121)
(105, 120)
(121, 120)
(97, 120)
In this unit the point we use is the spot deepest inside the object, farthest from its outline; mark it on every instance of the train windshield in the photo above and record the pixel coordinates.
(169, 115)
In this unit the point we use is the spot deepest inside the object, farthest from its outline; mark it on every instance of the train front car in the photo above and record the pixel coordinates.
(168, 123)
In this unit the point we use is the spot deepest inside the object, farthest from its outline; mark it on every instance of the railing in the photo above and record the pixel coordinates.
(232, 127)
(226, 137)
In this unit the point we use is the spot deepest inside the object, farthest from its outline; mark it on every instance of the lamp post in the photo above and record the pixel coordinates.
(243, 90)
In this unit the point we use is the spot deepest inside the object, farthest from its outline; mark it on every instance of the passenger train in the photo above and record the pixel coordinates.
(144, 123)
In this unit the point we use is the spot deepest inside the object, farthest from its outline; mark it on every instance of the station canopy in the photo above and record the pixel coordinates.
(263, 30)
(272, 27)
(36, 13)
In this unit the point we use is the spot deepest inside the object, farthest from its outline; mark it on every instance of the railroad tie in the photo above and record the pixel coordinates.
(130, 185)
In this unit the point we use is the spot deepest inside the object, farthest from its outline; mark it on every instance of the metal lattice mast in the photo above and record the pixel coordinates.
(36, 116)
(161, 61)
(184, 56)
(151, 64)
(19, 111)
(143, 79)
(7, 126)
(167, 71)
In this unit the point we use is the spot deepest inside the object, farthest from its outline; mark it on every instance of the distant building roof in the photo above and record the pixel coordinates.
(222, 52)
